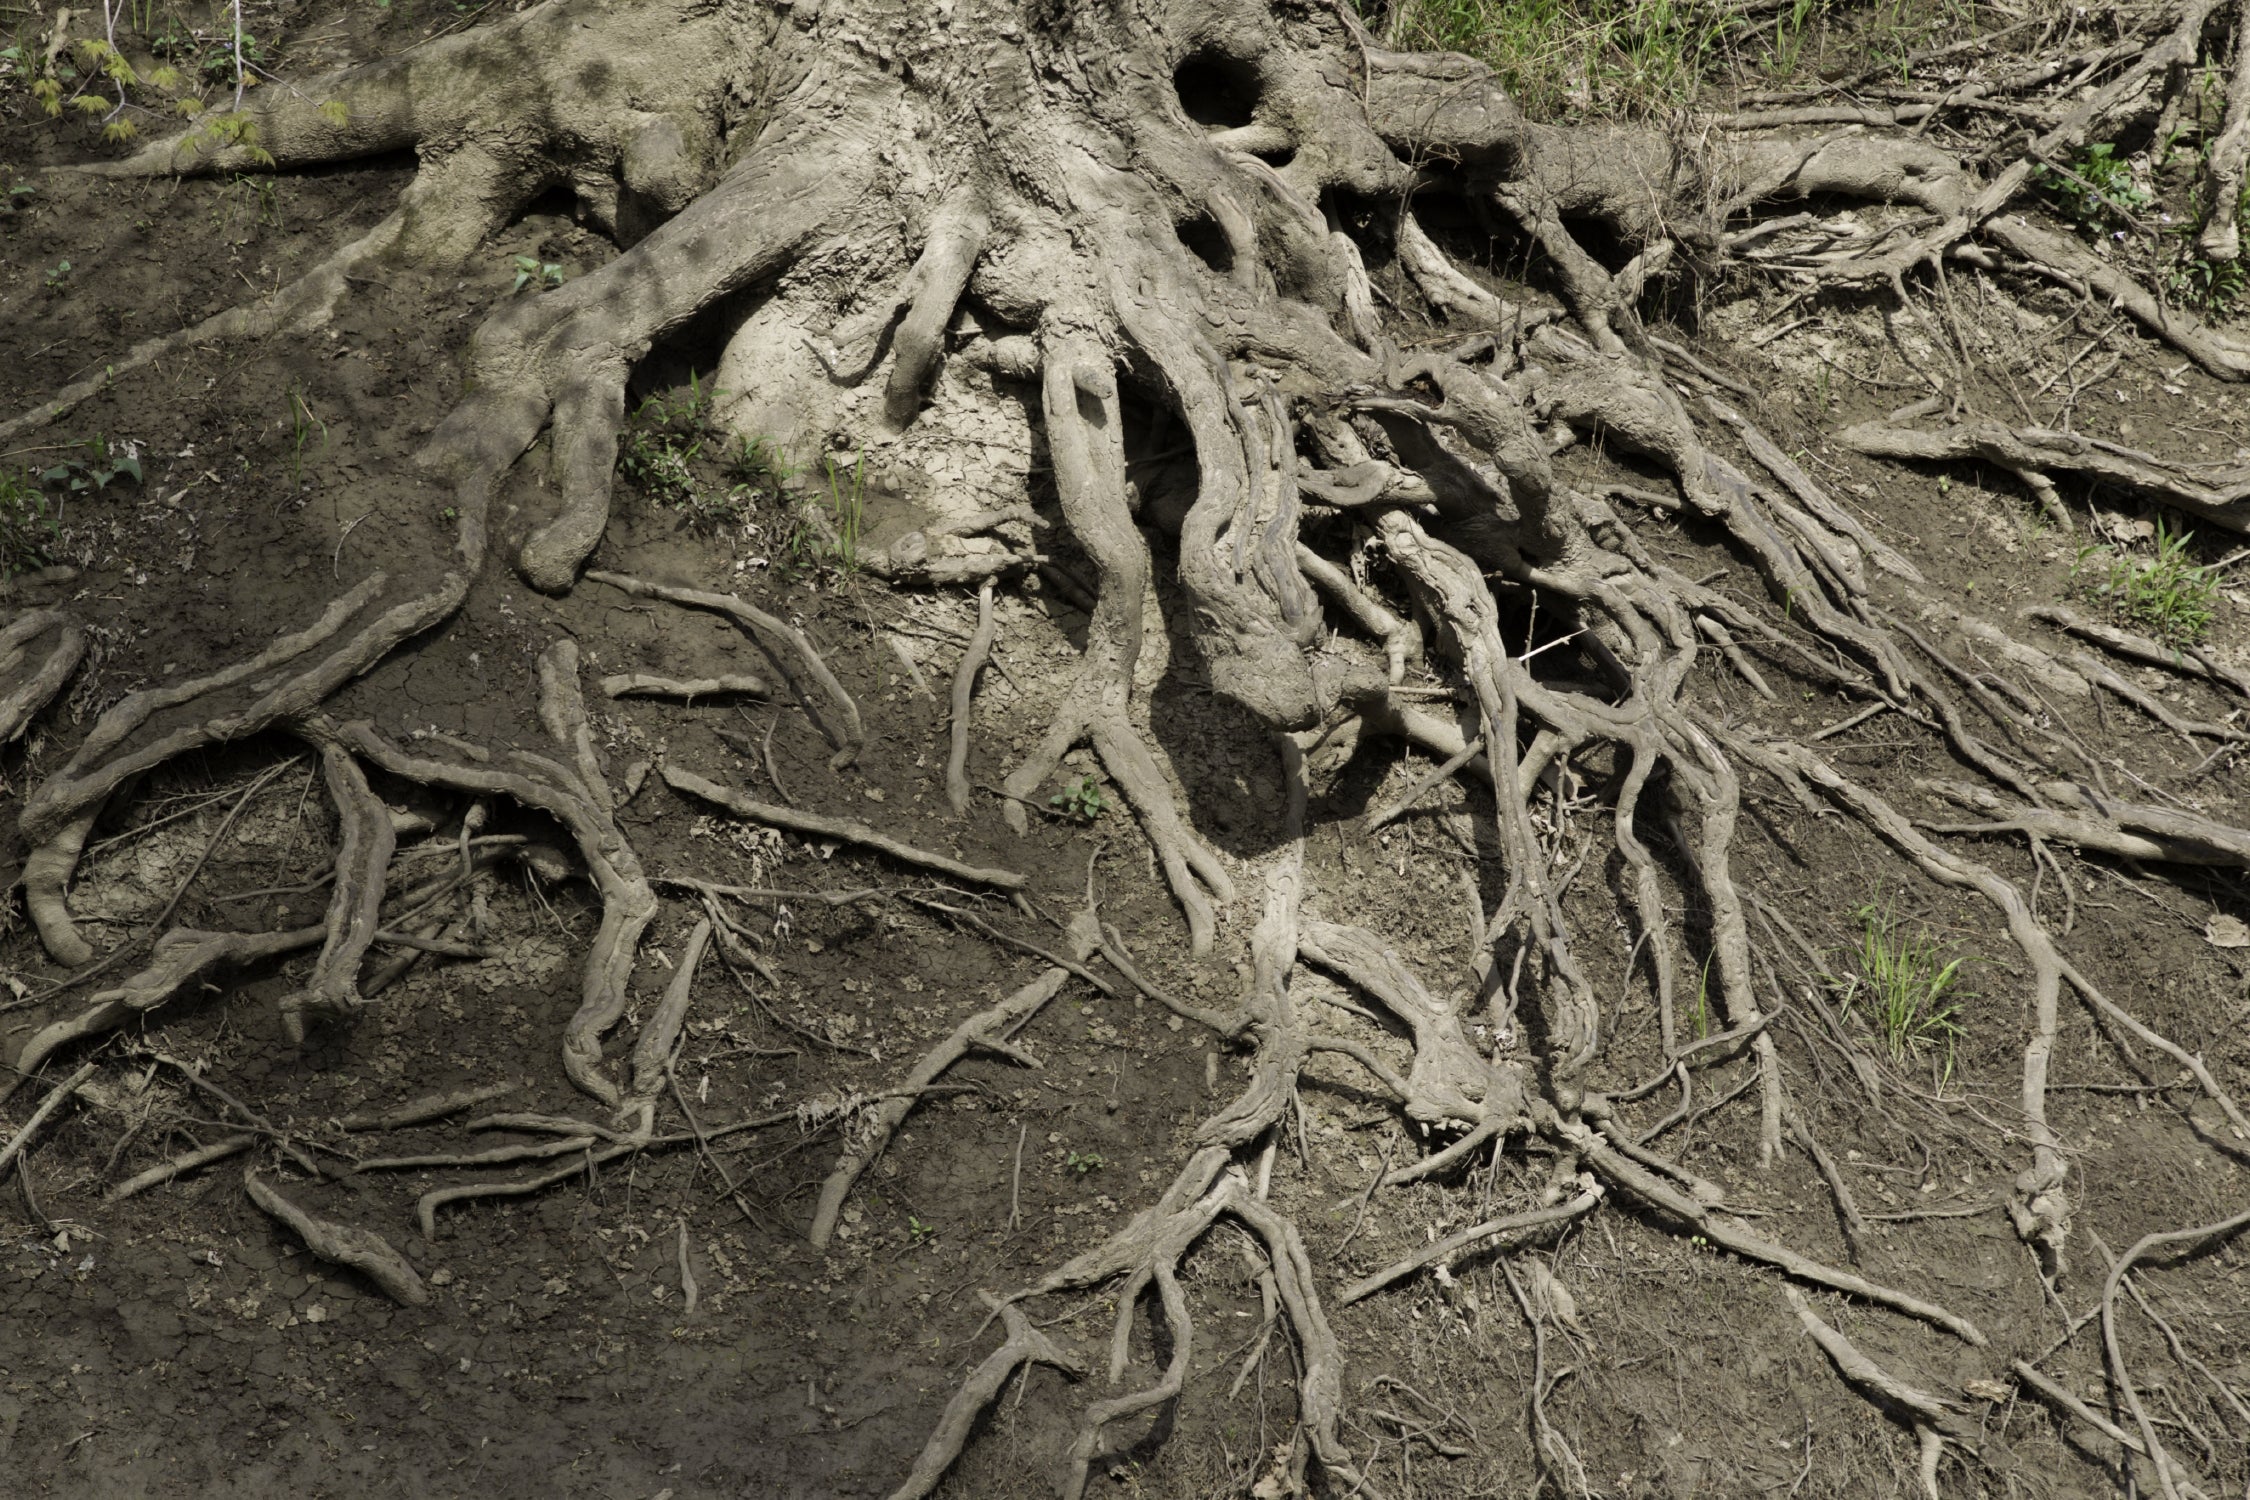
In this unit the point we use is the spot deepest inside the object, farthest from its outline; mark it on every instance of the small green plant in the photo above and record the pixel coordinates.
(12, 200)
(2099, 190)
(532, 271)
(27, 527)
(302, 424)
(919, 1232)
(1905, 988)
(1080, 800)
(97, 465)
(56, 274)
(1084, 1162)
(2166, 594)
(846, 503)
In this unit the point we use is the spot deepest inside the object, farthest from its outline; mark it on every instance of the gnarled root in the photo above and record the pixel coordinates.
(1084, 425)
(1025, 1345)
(343, 1244)
(573, 791)
(23, 693)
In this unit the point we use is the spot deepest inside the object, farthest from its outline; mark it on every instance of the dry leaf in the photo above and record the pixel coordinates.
(2226, 932)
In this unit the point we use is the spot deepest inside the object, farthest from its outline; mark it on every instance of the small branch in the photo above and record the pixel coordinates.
(47, 1106)
(848, 829)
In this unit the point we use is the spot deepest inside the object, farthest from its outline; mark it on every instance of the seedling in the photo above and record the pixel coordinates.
(845, 504)
(1906, 988)
(919, 1232)
(2097, 190)
(1080, 800)
(2166, 593)
(532, 271)
(102, 464)
(56, 273)
(12, 201)
(301, 425)
(1083, 1162)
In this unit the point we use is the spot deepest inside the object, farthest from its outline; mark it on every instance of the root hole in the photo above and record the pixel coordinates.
(1217, 92)
(1208, 243)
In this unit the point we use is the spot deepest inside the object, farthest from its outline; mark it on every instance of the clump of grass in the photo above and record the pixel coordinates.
(2165, 594)
(676, 455)
(1906, 988)
(1613, 57)
(847, 502)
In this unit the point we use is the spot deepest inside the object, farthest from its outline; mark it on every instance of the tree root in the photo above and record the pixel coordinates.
(2214, 492)
(182, 957)
(1476, 1236)
(844, 733)
(27, 693)
(964, 685)
(179, 1166)
(2188, 660)
(1933, 1421)
(643, 685)
(574, 793)
(343, 1244)
(987, 1030)
(56, 1098)
(1025, 1345)
(2177, 1477)
(1084, 419)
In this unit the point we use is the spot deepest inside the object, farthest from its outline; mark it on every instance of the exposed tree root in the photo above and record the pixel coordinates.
(1933, 1420)
(27, 692)
(2214, 492)
(844, 732)
(643, 685)
(343, 1244)
(988, 1030)
(56, 1098)
(1025, 1345)
(180, 1166)
(964, 686)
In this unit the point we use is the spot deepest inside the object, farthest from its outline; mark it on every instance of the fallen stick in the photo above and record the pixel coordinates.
(163, 1172)
(847, 829)
(47, 1106)
(343, 1244)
